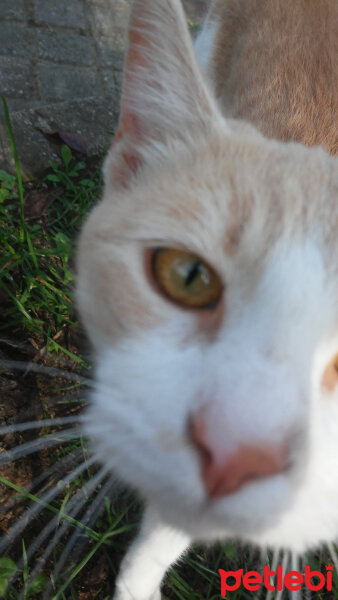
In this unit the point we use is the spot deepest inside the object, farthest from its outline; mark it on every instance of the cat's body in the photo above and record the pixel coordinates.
(275, 64)
(225, 418)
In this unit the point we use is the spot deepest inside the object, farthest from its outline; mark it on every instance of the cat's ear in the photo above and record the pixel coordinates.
(164, 95)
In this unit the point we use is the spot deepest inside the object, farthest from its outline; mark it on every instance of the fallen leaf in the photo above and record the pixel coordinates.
(36, 202)
(73, 141)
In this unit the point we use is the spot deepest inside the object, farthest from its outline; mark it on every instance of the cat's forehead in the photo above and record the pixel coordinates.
(215, 195)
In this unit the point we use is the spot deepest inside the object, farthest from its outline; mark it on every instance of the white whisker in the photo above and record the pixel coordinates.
(285, 562)
(68, 401)
(334, 555)
(275, 558)
(16, 428)
(55, 472)
(41, 503)
(295, 566)
(39, 444)
(60, 466)
(251, 554)
(67, 516)
(51, 371)
(54, 372)
(86, 521)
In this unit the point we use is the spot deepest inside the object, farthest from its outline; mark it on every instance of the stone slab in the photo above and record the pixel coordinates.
(13, 39)
(68, 13)
(12, 9)
(63, 82)
(65, 47)
(92, 121)
(16, 78)
(107, 20)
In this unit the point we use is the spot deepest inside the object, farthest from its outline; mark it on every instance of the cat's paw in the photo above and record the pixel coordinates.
(118, 596)
(124, 594)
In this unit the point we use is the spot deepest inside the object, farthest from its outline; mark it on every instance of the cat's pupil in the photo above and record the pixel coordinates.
(193, 273)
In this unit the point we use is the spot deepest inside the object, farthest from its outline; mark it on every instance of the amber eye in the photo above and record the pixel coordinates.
(185, 278)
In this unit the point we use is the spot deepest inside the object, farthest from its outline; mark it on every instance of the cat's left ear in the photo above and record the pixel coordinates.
(164, 94)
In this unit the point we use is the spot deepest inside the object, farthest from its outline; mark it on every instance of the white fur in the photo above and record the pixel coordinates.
(156, 547)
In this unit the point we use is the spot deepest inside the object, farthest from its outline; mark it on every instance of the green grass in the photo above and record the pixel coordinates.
(17, 581)
(35, 259)
(36, 277)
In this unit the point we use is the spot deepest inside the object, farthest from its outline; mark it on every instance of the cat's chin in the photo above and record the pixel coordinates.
(246, 514)
(277, 512)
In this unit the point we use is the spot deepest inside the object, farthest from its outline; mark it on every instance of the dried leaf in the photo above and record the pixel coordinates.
(37, 201)
(73, 141)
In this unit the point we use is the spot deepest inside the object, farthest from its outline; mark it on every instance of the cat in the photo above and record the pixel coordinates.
(207, 281)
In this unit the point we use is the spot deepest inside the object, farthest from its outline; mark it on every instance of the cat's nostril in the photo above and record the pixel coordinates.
(224, 473)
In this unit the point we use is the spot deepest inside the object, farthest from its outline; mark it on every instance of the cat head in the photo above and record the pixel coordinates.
(207, 282)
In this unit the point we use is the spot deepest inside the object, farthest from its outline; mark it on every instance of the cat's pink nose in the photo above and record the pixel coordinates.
(224, 473)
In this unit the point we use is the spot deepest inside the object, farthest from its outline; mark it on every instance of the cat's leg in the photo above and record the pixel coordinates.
(155, 548)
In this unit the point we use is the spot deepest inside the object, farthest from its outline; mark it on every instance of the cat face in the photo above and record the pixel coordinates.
(260, 217)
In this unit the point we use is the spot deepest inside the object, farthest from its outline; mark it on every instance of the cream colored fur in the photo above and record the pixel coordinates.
(264, 214)
(275, 64)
